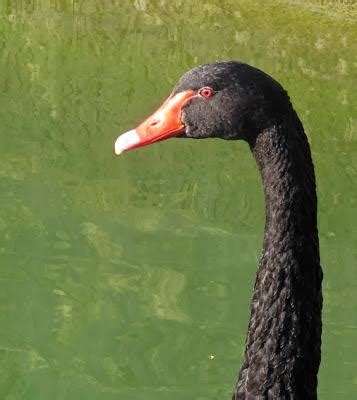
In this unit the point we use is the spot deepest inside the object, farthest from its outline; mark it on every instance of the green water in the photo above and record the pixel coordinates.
(130, 278)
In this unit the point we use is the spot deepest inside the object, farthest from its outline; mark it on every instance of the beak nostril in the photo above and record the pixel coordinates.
(154, 123)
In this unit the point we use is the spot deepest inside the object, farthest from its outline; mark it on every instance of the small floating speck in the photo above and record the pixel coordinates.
(211, 357)
(59, 292)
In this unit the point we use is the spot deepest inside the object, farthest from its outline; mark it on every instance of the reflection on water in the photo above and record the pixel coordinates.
(131, 277)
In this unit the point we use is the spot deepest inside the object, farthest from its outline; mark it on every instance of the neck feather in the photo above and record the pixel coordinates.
(282, 353)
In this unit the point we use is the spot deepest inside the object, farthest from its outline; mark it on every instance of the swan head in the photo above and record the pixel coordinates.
(227, 100)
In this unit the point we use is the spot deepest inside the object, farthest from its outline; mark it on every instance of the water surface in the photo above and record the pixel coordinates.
(130, 278)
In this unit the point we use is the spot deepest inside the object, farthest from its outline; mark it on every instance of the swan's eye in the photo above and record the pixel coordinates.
(205, 92)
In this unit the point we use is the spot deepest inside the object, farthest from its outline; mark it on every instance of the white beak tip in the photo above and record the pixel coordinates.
(117, 151)
(126, 141)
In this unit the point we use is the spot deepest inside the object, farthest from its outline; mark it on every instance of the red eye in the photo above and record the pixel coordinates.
(205, 92)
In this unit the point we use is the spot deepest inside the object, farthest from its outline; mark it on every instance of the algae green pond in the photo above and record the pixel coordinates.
(131, 277)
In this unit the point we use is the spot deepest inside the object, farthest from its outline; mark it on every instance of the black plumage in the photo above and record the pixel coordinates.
(282, 354)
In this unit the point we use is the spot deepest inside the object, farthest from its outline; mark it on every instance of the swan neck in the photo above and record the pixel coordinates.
(282, 353)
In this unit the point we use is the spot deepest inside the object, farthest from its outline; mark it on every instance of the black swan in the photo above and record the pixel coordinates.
(232, 100)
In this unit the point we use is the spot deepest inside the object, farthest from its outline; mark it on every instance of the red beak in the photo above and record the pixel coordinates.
(163, 124)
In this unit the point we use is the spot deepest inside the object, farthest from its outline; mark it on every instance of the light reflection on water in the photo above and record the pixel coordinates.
(132, 277)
